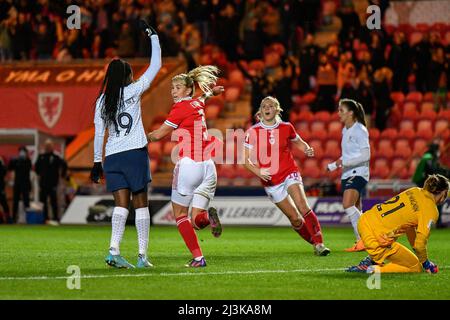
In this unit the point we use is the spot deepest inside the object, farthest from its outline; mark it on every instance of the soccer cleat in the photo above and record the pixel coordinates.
(216, 226)
(143, 262)
(196, 264)
(367, 261)
(359, 246)
(321, 250)
(358, 268)
(117, 261)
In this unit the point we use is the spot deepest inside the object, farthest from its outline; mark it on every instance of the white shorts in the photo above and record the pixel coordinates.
(194, 182)
(279, 192)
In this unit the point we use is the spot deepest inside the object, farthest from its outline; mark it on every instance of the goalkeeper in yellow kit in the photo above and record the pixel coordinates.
(412, 212)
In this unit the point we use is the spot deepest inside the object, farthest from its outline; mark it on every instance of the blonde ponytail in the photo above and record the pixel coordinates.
(205, 76)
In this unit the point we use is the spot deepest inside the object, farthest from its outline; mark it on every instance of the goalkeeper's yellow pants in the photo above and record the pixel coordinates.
(401, 259)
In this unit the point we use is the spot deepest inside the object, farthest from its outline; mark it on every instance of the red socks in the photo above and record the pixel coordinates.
(201, 220)
(189, 236)
(313, 226)
(304, 233)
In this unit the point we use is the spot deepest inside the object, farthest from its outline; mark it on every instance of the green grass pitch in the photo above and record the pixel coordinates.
(245, 263)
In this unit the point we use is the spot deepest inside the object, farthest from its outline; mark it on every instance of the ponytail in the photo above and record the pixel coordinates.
(436, 183)
(205, 76)
(357, 108)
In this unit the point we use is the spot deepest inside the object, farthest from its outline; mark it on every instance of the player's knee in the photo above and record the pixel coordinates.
(296, 221)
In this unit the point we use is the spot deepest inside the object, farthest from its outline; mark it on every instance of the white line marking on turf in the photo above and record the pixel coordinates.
(165, 274)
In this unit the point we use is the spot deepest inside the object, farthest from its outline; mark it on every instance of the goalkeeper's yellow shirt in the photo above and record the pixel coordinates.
(414, 208)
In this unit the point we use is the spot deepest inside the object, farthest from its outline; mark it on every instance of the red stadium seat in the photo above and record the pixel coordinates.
(318, 125)
(324, 116)
(399, 168)
(429, 115)
(414, 96)
(301, 126)
(425, 125)
(419, 147)
(409, 106)
(318, 148)
(398, 97)
(406, 124)
(411, 115)
(427, 106)
(428, 97)
(306, 116)
(212, 112)
(232, 94)
(374, 134)
(389, 133)
(153, 165)
(440, 126)
(318, 134)
(168, 146)
(155, 149)
(334, 135)
(407, 134)
(311, 169)
(402, 149)
(385, 149)
(293, 116)
(335, 126)
(424, 134)
(335, 117)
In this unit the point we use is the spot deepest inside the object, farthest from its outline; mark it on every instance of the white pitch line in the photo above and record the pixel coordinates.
(164, 274)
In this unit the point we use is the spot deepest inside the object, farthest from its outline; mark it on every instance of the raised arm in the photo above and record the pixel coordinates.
(155, 60)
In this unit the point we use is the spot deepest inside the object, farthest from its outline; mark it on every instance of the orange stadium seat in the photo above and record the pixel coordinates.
(441, 125)
(380, 169)
(332, 148)
(385, 149)
(311, 168)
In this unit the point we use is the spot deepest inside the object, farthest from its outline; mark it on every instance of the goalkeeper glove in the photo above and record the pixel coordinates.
(430, 267)
(146, 28)
(97, 172)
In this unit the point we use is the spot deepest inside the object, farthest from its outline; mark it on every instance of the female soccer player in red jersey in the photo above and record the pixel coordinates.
(267, 155)
(195, 177)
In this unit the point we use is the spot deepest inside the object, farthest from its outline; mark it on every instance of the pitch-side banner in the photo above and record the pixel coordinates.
(258, 211)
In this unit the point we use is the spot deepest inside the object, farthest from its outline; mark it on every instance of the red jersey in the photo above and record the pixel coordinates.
(188, 117)
(270, 148)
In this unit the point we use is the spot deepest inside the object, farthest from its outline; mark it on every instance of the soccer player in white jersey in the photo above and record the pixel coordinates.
(195, 177)
(354, 162)
(126, 164)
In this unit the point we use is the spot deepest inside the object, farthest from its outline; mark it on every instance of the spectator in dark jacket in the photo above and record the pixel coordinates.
(49, 167)
(22, 183)
(4, 214)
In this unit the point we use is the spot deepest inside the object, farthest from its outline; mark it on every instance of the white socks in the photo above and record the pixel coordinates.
(353, 213)
(142, 221)
(118, 221)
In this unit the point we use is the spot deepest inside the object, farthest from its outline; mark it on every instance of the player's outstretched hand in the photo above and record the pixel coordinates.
(309, 152)
(143, 25)
(218, 90)
(97, 172)
(265, 174)
(430, 267)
